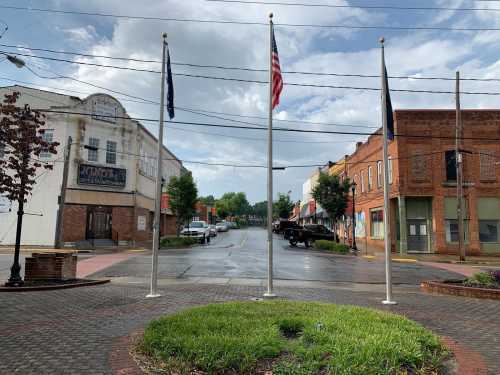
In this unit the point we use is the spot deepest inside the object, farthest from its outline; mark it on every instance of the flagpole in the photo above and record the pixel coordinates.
(156, 232)
(270, 293)
(387, 225)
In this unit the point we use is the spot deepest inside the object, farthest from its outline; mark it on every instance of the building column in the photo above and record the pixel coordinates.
(403, 238)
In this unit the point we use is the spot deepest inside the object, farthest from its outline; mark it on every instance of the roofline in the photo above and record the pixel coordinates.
(47, 91)
(446, 110)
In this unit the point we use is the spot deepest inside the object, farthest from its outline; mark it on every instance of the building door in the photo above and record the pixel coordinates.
(418, 235)
(99, 222)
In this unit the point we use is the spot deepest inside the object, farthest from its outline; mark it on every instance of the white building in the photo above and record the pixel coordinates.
(111, 187)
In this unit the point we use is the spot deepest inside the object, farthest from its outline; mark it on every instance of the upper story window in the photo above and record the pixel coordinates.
(390, 169)
(370, 181)
(450, 165)
(379, 174)
(419, 167)
(93, 154)
(47, 136)
(362, 181)
(487, 171)
(111, 152)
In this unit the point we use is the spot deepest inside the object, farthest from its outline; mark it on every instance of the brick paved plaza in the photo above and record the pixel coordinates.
(84, 330)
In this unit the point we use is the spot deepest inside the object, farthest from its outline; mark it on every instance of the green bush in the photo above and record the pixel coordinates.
(176, 242)
(331, 246)
(481, 279)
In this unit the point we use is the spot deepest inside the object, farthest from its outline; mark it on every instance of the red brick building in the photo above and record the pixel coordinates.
(423, 215)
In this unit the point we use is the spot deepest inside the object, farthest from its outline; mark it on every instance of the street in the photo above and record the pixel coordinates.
(242, 253)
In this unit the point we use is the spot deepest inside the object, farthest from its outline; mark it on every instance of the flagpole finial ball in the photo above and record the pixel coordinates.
(271, 15)
(382, 40)
(164, 35)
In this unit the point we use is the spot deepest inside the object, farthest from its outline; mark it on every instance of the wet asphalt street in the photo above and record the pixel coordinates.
(242, 254)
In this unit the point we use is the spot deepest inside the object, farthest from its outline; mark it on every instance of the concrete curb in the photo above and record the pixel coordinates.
(9, 289)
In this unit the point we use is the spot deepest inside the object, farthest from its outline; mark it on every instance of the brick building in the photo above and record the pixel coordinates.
(111, 185)
(422, 178)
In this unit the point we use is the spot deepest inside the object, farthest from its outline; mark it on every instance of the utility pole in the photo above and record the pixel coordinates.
(156, 232)
(62, 195)
(459, 169)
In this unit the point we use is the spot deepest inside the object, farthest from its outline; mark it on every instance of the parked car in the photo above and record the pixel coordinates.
(197, 229)
(213, 230)
(222, 227)
(308, 234)
(282, 225)
(233, 224)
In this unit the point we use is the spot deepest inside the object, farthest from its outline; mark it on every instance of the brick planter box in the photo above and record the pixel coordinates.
(453, 287)
(58, 266)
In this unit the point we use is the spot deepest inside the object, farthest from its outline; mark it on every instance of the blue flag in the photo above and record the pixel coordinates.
(170, 89)
(388, 109)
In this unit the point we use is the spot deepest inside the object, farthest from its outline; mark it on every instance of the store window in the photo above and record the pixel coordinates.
(47, 136)
(488, 230)
(93, 154)
(111, 152)
(370, 181)
(377, 223)
(451, 222)
(450, 165)
(488, 213)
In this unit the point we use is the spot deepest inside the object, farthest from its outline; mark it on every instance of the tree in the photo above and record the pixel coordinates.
(332, 194)
(21, 140)
(183, 196)
(232, 204)
(259, 209)
(283, 207)
(209, 200)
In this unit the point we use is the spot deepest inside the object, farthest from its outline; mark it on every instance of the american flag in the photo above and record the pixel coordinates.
(276, 71)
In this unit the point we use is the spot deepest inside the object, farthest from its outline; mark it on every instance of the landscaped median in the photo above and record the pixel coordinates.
(331, 246)
(177, 242)
(289, 338)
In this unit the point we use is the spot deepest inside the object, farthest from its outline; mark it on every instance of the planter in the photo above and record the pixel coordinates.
(456, 288)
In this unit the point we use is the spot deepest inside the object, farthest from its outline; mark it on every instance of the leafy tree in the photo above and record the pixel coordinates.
(332, 194)
(209, 200)
(21, 142)
(183, 196)
(283, 207)
(232, 204)
(259, 209)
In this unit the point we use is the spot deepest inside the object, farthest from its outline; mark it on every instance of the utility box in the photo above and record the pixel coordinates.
(53, 267)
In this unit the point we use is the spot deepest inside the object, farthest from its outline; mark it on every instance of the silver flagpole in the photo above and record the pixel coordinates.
(156, 232)
(270, 293)
(387, 225)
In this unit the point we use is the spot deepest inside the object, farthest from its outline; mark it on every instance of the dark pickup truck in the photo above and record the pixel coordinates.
(282, 226)
(308, 234)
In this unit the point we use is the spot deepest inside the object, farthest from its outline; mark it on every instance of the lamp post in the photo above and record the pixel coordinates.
(353, 188)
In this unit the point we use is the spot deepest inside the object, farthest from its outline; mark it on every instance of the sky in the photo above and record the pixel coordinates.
(413, 53)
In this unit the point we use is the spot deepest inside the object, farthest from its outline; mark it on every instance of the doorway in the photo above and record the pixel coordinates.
(418, 235)
(99, 222)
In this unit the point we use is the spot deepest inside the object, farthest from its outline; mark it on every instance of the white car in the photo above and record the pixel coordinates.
(213, 230)
(199, 230)
(222, 227)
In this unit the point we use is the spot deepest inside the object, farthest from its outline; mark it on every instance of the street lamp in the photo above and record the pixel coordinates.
(353, 188)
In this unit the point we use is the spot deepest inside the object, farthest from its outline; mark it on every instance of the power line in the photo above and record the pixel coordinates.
(248, 80)
(381, 7)
(244, 23)
(246, 69)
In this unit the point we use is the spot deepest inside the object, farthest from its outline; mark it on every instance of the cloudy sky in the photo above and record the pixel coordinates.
(413, 53)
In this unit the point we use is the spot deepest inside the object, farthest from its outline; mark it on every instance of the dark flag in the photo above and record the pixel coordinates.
(276, 70)
(388, 109)
(170, 89)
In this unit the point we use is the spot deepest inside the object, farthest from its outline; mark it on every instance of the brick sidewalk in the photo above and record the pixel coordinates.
(83, 330)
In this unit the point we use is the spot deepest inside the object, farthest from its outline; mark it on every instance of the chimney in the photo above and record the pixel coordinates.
(358, 144)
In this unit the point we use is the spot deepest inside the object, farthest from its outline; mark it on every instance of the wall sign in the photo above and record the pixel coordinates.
(102, 176)
(141, 222)
(103, 111)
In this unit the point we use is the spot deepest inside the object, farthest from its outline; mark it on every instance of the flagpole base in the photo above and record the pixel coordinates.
(153, 295)
(269, 295)
(387, 302)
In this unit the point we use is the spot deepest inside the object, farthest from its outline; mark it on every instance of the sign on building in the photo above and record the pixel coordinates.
(141, 222)
(101, 176)
(104, 111)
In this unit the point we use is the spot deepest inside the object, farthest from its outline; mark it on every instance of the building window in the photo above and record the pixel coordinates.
(47, 136)
(377, 223)
(488, 230)
(451, 227)
(111, 152)
(487, 171)
(450, 165)
(93, 155)
(370, 181)
(379, 174)
(356, 182)
(362, 181)
(451, 222)
(390, 169)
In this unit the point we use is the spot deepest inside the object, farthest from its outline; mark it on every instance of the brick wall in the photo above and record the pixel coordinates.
(58, 266)
(74, 223)
(147, 234)
(123, 223)
(168, 225)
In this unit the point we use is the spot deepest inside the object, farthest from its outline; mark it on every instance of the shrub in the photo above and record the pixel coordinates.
(176, 242)
(331, 246)
(481, 279)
